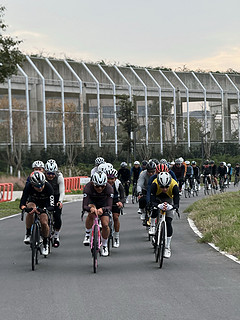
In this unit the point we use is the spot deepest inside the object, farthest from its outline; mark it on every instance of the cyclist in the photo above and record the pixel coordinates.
(165, 190)
(229, 172)
(98, 161)
(55, 178)
(214, 174)
(196, 173)
(38, 195)
(104, 167)
(189, 175)
(206, 172)
(118, 200)
(237, 173)
(179, 171)
(135, 172)
(159, 168)
(222, 172)
(98, 200)
(124, 177)
(142, 185)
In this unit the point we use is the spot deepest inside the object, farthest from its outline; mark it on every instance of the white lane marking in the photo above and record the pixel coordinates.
(195, 230)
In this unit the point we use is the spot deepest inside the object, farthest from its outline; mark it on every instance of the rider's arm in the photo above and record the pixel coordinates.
(153, 198)
(140, 183)
(61, 187)
(148, 197)
(121, 193)
(25, 195)
(176, 197)
(109, 200)
(173, 175)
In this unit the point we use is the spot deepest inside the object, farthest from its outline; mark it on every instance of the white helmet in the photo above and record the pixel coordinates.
(37, 179)
(187, 162)
(136, 162)
(99, 160)
(164, 179)
(163, 161)
(224, 163)
(103, 167)
(51, 161)
(51, 167)
(181, 159)
(38, 164)
(109, 165)
(99, 178)
(229, 164)
(123, 164)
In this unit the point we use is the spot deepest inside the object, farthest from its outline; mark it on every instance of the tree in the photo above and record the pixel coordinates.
(127, 121)
(10, 55)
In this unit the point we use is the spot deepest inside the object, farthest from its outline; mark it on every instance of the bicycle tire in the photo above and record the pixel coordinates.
(33, 246)
(156, 246)
(95, 248)
(161, 245)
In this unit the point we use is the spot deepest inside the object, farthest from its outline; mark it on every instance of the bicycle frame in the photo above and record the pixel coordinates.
(95, 244)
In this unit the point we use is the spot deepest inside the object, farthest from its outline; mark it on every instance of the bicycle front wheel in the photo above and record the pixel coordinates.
(95, 248)
(33, 242)
(161, 245)
(156, 244)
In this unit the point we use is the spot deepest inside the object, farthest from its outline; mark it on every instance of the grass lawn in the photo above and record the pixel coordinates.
(218, 219)
(8, 208)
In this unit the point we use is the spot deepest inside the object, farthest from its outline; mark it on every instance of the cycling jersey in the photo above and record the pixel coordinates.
(222, 171)
(102, 200)
(171, 196)
(43, 199)
(118, 192)
(58, 186)
(206, 169)
(213, 170)
(179, 171)
(124, 175)
(135, 172)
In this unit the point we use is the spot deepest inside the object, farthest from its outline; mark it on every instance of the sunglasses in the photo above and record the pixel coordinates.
(98, 187)
(39, 186)
(50, 173)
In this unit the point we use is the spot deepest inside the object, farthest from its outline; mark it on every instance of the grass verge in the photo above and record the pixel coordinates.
(218, 219)
(9, 208)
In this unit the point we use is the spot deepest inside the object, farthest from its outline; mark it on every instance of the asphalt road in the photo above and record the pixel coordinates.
(196, 283)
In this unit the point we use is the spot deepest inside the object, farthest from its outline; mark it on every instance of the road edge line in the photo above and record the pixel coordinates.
(199, 234)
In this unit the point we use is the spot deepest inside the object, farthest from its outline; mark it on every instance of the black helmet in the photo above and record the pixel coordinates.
(206, 162)
(151, 166)
(211, 162)
(144, 163)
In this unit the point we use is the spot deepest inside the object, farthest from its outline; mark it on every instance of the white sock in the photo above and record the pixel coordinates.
(88, 231)
(116, 235)
(168, 242)
(56, 234)
(104, 242)
(153, 223)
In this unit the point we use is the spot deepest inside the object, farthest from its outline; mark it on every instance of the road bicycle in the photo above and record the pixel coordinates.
(134, 193)
(206, 187)
(195, 187)
(222, 185)
(187, 189)
(160, 237)
(236, 180)
(213, 185)
(110, 237)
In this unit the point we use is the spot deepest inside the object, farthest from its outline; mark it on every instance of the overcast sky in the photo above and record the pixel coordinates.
(203, 34)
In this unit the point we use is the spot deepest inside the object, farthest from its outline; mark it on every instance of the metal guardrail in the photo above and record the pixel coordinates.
(6, 192)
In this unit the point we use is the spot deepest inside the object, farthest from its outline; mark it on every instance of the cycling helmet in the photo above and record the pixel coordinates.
(178, 161)
(99, 160)
(187, 162)
(123, 165)
(103, 167)
(38, 164)
(155, 161)
(109, 165)
(237, 164)
(194, 162)
(163, 161)
(112, 173)
(164, 179)
(181, 159)
(136, 163)
(144, 163)
(99, 178)
(224, 163)
(51, 167)
(206, 162)
(37, 179)
(161, 168)
(211, 162)
(151, 166)
(229, 164)
(221, 163)
(51, 161)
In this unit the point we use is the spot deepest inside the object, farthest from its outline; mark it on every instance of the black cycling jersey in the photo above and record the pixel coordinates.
(43, 199)
(124, 174)
(213, 170)
(135, 172)
(222, 171)
(206, 169)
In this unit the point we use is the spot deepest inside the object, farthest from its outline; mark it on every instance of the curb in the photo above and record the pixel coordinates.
(199, 234)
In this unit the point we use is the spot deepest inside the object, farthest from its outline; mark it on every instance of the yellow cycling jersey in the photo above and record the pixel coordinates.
(170, 189)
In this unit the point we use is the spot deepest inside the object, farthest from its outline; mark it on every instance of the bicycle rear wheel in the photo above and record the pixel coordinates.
(95, 248)
(161, 245)
(156, 245)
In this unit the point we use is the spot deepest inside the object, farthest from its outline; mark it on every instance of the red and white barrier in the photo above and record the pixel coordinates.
(75, 183)
(6, 192)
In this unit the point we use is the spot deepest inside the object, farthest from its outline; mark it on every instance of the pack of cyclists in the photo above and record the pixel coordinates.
(157, 182)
